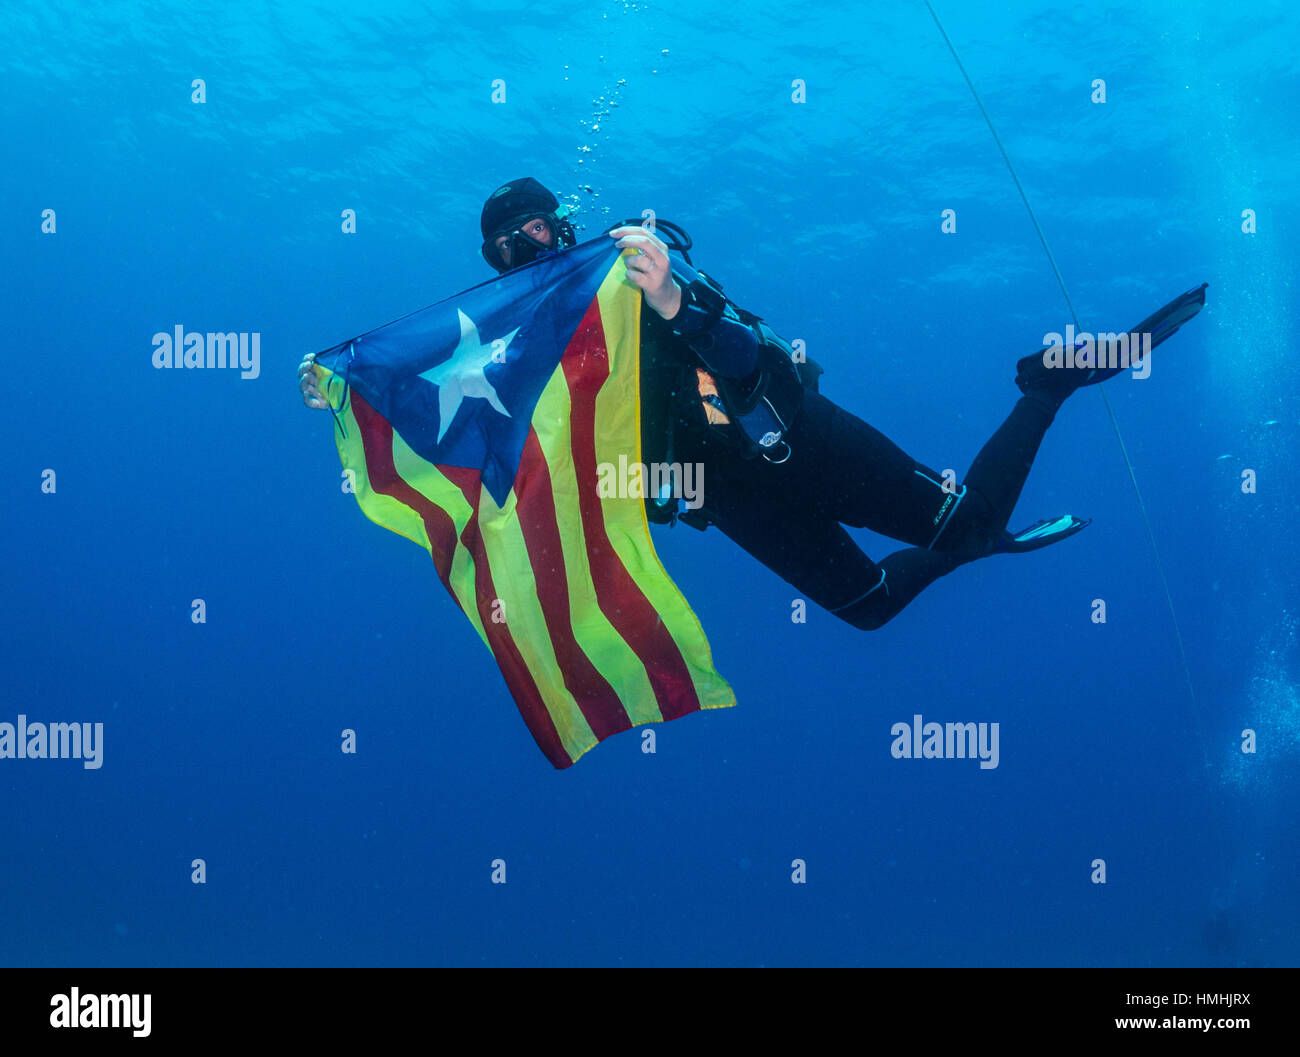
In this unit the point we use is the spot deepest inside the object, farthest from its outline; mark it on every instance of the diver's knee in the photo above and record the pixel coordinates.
(972, 527)
(873, 621)
(868, 614)
(864, 618)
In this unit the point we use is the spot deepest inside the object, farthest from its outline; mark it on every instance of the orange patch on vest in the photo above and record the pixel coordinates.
(707, 387)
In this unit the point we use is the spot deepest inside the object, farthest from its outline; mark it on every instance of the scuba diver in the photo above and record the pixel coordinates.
(786, 468)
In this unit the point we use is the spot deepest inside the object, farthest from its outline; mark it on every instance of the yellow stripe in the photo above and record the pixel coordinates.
(393, 514)
(619, 405)
(382, 509)
(616, 661)
(426, 479)
(516, 585)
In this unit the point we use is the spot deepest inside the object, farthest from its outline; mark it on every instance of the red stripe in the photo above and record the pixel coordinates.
(539, 523)
(518, 676)
(377, 438)
(586, 369)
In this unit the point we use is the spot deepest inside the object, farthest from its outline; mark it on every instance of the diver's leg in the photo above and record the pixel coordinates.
(784, 528)
(998, 473)
(860, 477)
(1002, 465)
(903, 576)
(856, 475)
(818, 558)
(996, 478)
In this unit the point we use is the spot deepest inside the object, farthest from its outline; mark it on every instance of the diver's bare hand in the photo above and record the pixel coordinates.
(650, 269)
(308, 381)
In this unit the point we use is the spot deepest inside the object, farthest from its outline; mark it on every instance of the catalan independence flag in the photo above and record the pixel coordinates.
(476, 427)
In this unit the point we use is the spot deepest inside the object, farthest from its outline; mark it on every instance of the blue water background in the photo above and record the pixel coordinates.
(222, 739)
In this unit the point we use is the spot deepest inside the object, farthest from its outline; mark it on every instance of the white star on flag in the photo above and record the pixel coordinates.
(462, 375)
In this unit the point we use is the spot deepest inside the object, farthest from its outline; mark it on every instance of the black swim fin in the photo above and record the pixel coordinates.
(1040, 534)
(1056, 383)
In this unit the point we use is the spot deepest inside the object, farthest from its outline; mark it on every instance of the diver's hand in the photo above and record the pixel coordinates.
(650, 269)
(307, 382)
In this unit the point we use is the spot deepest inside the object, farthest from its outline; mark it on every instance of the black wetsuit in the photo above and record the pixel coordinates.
(841, 471)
